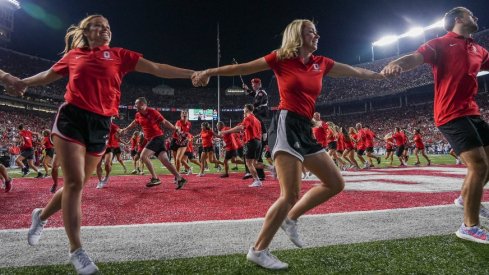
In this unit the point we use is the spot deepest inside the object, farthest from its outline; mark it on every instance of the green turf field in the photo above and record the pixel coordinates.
(427, 255)
(118, 170)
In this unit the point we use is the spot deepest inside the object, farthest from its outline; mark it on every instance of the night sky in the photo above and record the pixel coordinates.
(183, 32)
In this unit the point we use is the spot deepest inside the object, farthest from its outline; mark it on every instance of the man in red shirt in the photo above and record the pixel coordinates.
(26, 152)
(230, 146)
(400, 139)
(369, 143)
(150, 120)
(112, 144)
(456, 60)
(252, 138)
(361, 146)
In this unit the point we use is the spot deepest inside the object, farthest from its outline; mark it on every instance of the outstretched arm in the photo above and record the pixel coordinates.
(42, 78)
(403, 64)
(162, 70)
(345, 70)
(258, 65)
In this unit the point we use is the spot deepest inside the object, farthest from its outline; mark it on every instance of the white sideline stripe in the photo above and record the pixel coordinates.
(205, 238)
(20, 230)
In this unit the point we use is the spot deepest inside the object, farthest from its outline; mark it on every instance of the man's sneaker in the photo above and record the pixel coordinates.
(459, 202)
(200, 174)
(37, 226)
(101, 184)
(265, 259)
(141, 173)
(153, 182)
(82, 262)
(8, 185)
(219, 168)
(39, 175)
(483, 212)
(476, 234)
(25, 171)
(256, 183)
(290, 228)
(134, 172)
(224, 176)
(181, 183)
(189, 171)
(53, 188)
(247, 176)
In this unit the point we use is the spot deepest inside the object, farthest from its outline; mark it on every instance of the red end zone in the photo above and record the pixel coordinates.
(126, 200)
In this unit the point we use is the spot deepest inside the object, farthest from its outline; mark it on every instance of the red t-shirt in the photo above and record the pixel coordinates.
(184, 127)
(330, 136)
(455, 61)
(320, 133)
(340, 146)
(388, 143)
(229, 140)
(142, 143)
(134, 143)
(418, 141)
(398, 136)
(252, 128)
(361, 137)
(113, 141)
(26, 138)
(95, 77)
(47, 143)
(369, 138)
(299, 84)
(190, 144)
(150, 123)
(206, 136)
(238, 137)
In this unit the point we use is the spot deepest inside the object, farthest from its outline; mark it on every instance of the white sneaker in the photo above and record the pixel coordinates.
(82, 262)
(256, 183)
(101, 184)
(367, 165)
(3, 184)
(37, 226)
(458, 161)
(265, 259)
(459, 202)
(189, 172)
(200, 174)
(483, 212)
(290, 228)
(219, 168)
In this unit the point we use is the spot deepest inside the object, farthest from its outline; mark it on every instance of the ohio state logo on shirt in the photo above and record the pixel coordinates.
(107, 55)
(316, 67)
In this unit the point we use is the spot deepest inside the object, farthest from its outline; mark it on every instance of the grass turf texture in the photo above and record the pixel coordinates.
(117, 169)
(427, 255)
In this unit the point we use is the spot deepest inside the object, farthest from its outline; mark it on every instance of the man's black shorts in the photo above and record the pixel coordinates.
(466, 133)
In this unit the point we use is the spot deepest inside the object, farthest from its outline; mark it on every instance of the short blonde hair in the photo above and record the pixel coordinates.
(74, 37)
(292, 39)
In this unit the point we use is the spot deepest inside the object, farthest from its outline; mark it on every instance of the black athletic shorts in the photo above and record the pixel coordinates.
(27, 154)
(400, 150)
(466, 133)
(369, 150)
(208, 149)
(83, 127)
(389, 150)
(240, 152)
(292, 133)
(190, 155)
(252, 149)
(173, 145)
(360, 152)
(134, 153)
(109, 150)
(332, 145)
(230, 154)
(157, 145)
(116, 150)
(50, 152)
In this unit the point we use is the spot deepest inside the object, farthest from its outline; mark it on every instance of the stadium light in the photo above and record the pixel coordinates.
(417, 31)
(438, 24)
(386, 40)
(13, 2)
